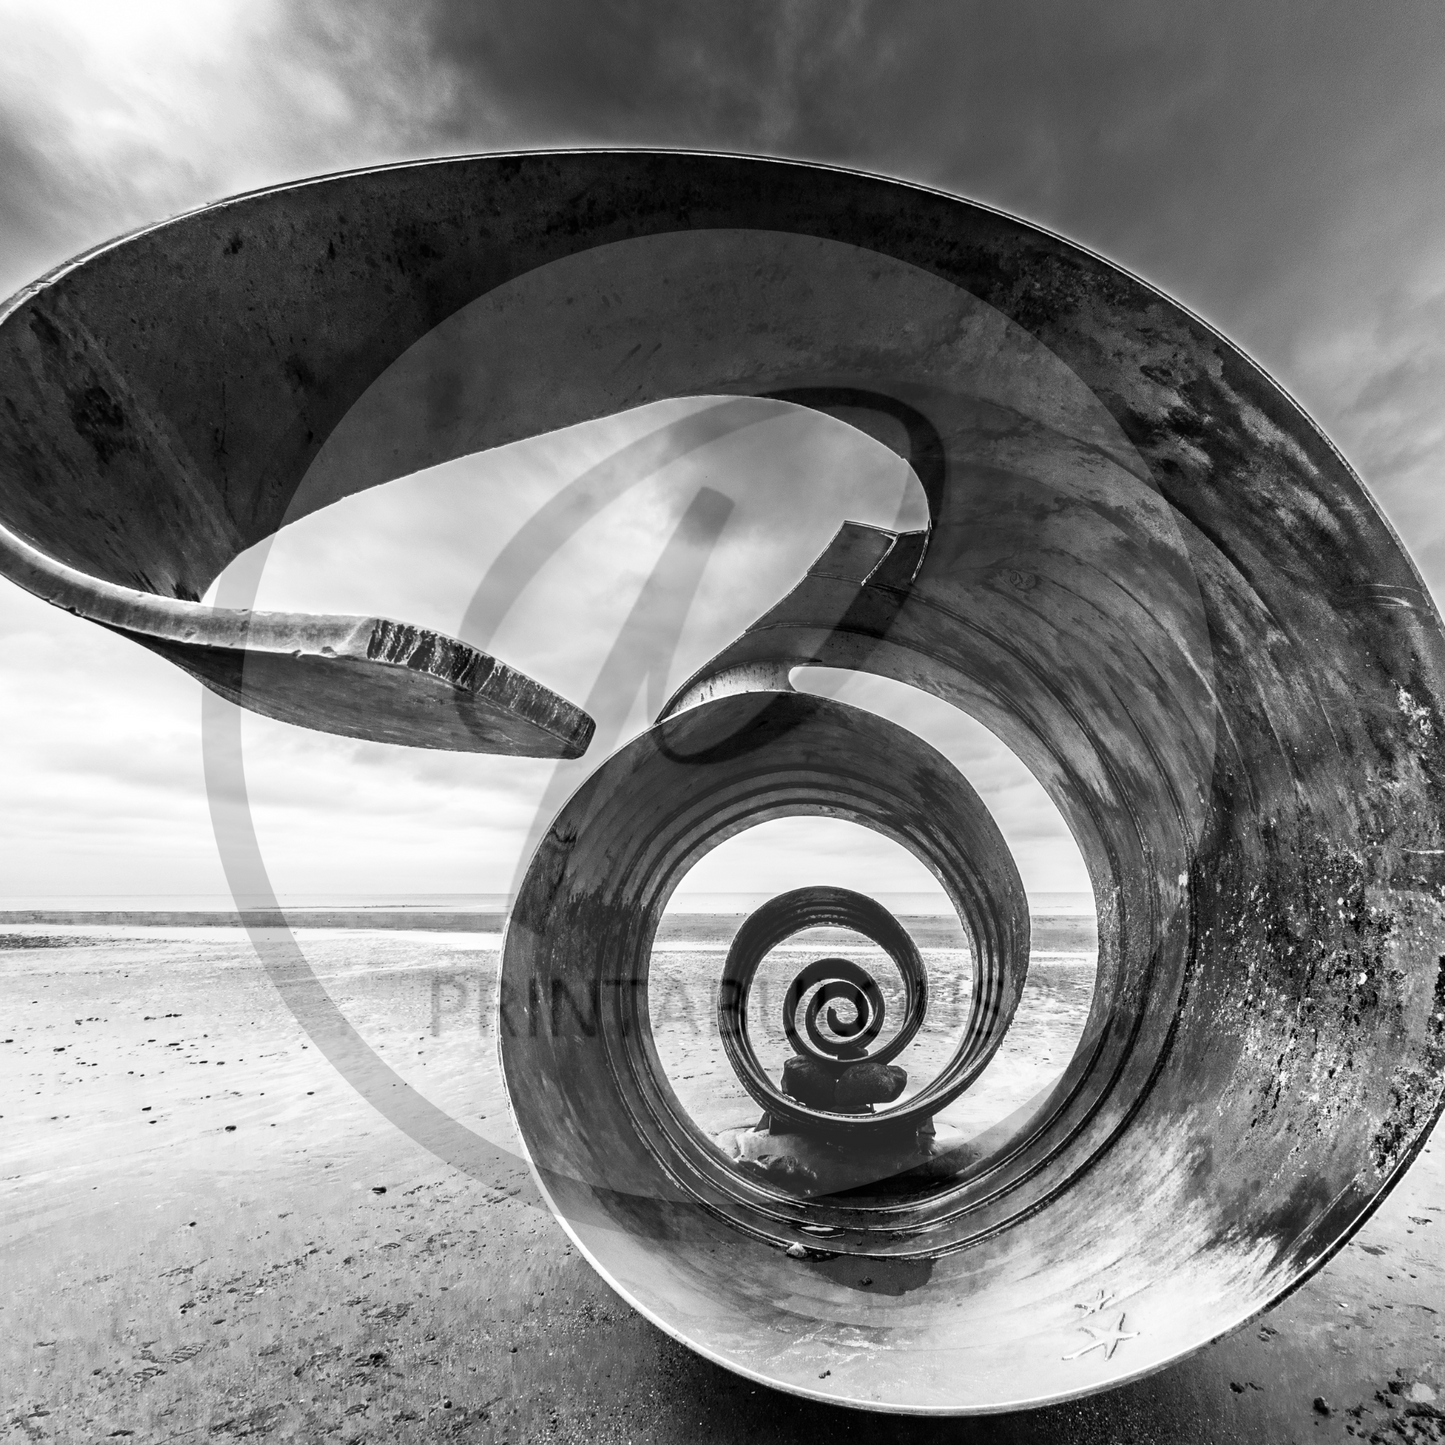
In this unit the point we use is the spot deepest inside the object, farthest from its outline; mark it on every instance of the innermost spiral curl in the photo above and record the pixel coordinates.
(842, 982)
(841, 1005)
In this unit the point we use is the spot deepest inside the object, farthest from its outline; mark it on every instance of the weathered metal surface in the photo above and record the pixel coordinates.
(1146, 570)
(365, 677)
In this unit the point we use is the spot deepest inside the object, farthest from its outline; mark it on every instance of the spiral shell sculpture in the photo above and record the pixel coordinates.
(1145, 570)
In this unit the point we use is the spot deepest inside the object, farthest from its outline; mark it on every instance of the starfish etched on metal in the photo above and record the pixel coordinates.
(1106, 1340)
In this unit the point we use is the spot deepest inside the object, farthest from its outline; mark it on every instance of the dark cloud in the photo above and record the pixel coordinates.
(29, 196)
(1243, 155)
(1274, 166)
(1207, 138)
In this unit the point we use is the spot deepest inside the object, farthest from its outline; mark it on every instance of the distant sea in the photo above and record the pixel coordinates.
(902, 904)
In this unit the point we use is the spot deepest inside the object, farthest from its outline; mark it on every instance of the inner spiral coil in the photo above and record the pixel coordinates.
(819, 990)
(842, 981)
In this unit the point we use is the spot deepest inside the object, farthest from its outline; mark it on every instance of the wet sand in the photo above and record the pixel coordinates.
(196, 1246)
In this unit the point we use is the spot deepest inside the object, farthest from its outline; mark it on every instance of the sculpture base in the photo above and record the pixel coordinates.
(818, 1164)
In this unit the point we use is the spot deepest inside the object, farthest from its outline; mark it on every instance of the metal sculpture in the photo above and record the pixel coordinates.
(1145, 570)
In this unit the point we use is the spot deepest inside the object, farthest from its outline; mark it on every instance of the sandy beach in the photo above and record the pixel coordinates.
(208, 1235)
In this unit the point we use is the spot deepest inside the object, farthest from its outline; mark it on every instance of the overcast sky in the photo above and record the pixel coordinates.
(1277, 167)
